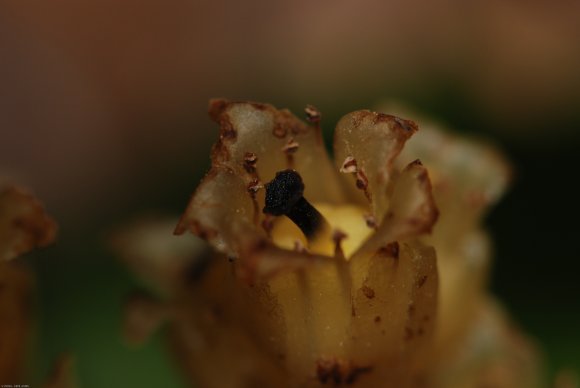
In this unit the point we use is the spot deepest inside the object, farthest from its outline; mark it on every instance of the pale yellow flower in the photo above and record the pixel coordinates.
(368, 291)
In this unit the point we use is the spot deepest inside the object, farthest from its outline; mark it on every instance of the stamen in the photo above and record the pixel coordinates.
(250, 160)
(337, 236)
(290, 149)
(299, 247)
(371, 221)
(253, 187)
(350, 166)
(312, 115)
(284, 196)
(268, 225)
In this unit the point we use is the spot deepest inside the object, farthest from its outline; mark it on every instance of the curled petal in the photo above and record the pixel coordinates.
(24, 224)
(221, 212)
(366, 145)
(412, 211)
(468, 176)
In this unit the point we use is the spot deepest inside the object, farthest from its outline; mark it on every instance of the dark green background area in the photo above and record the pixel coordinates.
(536, 227)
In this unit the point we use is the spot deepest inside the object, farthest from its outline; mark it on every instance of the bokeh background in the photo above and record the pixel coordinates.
(103, 114)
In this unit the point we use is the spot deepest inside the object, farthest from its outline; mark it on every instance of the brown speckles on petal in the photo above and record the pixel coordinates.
(286, 123)
(374, 140)
(216, 107)
(279, 131)
(217, 112)
(414, 163)
(406, 125)
(368, 292)
(355, 373)
(362, 183)
(350, 166)
(250, 160)
(421, 281)
(390, 250)
(338, 372)
(227, 130)
(409, 334)
(204, 233)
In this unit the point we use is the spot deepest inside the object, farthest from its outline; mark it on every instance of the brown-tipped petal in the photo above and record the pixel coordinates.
(267, 132)
(24, 224)
(412, 210)
(221, 212)
(373, 140)
(151, 250)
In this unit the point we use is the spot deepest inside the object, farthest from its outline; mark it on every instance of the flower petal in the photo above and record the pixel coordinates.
(227, 332)
(493, 353)
(24, 224)
(366, 145)
(221, 212)
(464, 275)
(412, 211)
(394, 311)
(279, 140)
(159, 258)
(468, 176)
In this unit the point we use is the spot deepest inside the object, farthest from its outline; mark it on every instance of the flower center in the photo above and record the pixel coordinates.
(348, 219)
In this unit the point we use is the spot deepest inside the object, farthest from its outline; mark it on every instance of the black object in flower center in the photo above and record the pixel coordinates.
(284, 196)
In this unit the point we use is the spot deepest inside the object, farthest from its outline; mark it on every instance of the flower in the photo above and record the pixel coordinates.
(335, 274)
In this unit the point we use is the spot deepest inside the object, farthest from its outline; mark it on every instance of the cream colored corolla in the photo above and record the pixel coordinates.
(336, 273)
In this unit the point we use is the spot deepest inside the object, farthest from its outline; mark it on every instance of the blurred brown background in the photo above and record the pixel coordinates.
(103, 114)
